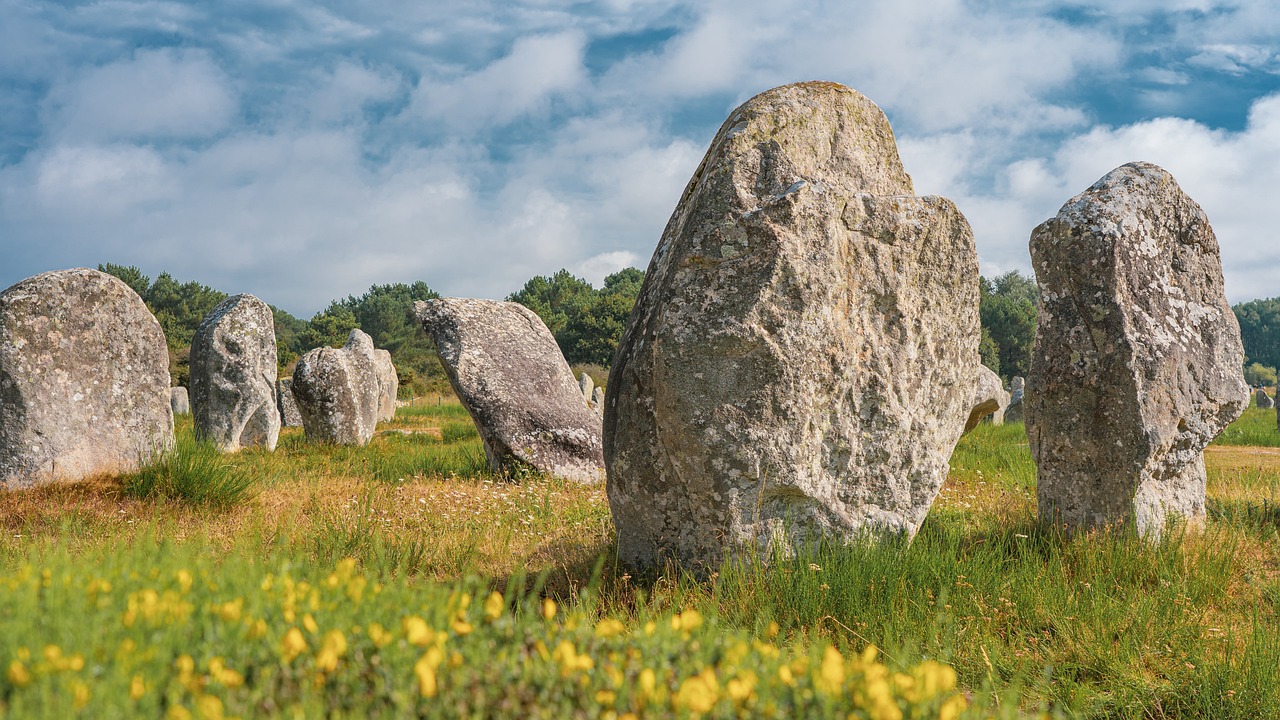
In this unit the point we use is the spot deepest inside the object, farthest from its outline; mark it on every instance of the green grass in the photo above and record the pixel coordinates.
(195, 472)
(1255, 428)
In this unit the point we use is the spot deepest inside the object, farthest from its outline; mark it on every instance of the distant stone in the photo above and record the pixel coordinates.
(233, 376)
(597, 400)
(337, 392)
(1137, 359)
(388, 385)
(1264, 400)
(1017, 388)
(84, 380)
(179, 401)
(587, 385)
(286, 404)
(989, 399)
(800, 361)
(508, 371)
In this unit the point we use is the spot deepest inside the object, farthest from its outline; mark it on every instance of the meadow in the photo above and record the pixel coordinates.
(403, 579)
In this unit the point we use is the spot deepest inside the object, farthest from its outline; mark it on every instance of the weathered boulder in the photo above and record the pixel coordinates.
(233, 376)
(1137, 359)
(286, 404)
(337, 392)
(1264, 400)
(587, 385)
(800, 361)
(989, 399)
(1017, 390)
(388, 385)
(508, 371)
(179, 401)
(597, 400)
(84, 379)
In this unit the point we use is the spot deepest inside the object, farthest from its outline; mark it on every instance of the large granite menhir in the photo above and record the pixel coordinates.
(1137, 359)
(388, 385)
(337, 392)
(233, 376)
(84, 380)
(509, 373)
(801, 358)
(1264, 400)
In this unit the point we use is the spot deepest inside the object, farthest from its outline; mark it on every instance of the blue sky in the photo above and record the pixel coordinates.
(305, 151)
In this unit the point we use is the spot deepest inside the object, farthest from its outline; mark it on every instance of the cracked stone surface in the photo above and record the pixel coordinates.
(84, 380)
(336, 390)
(233, 376)
(800, 362)
(1137, 361)
(509, 372)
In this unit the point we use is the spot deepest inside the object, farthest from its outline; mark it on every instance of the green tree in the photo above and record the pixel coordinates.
(131, 276)
(555, 299)
(587, 323)
(1007, 306)
(1257, 374)
(1260, 330)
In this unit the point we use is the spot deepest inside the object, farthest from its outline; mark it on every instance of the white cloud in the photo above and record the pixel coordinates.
(597, 267)
(156, 93)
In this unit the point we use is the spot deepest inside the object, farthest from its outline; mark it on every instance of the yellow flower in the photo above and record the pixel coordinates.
(137, 688)
(425, 670)
(184, 580)
(417, 632)
(687, 620)
(18, 674)
(293, 644)
(784, 674)
(493, 606)
(606, 697)
(378, 635)
(209, 707)
(648, 681)
(548, 608)
(699, 693)
(609, 627)
(831, 673)
(177, 712)
(742, 687)
(334, 647)
(568, 658)
(79, 694)
(230, 611)
(257, 629)
(309, 623)
(461, 627)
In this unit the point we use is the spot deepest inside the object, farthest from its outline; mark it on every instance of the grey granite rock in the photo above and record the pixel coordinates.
(233, 376)
(286, 404)
(508, 371)
(989, 399)
(388, 385)
(597, 400)
(1017, 389)
(800, 361)
(337, 392)
(1264, 400)
(84, 379)
(179, 401)
(1137, 359)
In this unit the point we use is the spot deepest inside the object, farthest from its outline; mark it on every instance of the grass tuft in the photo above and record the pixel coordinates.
(195, 472)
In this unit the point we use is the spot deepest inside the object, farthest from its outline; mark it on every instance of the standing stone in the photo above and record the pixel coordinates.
(388, 385)
(1264, 400)
(509, 373)
(286, 404)
(84, 380)
(179, 401)
(1137, 359)
(989, 399)
(587, 385)
(233, 376)
(1017, 388)
(597, 400)
(800, 361)
(337, 392)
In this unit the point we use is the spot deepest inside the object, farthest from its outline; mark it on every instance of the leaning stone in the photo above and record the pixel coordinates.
(388, 385)
(800, 362)
(1264, 400)
(1017, 388)
(989, 399)
(509, 373)
(179, 401)
(1137, 359)
(84, 380)
(286, 404)
(233, 376)
(337, 392)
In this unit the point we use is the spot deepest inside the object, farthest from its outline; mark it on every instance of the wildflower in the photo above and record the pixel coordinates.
(461, 626)
(184, 581)
(687, 620)
(417, 632)
(831, 672)
(309, 623)
(952, 708)
(548, 608)
(648, 681)
(178, 712)
(18, 674)
(378, 635)
(257, 629)
(226, 676)
(334, 647)
(209, 707)
(742, 687)
(137, 688)
(610, 627)
(292, 645)
(568, 658)
(699, 693)
(493, 606)
(230, 611)
(425, 670)
(606, 697)
(79, 694)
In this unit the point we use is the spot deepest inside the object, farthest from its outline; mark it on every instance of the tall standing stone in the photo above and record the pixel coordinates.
(1264, 400)
(989, 399)
(233, 376)
(286, 404)
(388, 385)
(1017, 390)
(337, 392)
(84, 379)
(1137, 359)
(179, 401)
(597, 400)
(800, 361)
(587, 385)
(508, 371)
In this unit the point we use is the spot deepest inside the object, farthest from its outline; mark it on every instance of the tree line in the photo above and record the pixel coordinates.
(588, 322)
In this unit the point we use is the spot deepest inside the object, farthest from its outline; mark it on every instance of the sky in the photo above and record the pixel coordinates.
(304, 151)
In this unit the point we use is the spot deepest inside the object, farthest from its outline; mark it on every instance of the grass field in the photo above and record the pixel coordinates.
(403, 579)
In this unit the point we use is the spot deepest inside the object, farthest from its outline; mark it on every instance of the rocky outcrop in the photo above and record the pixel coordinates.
(84, 380)
(179, 401)
(1137, 359)
(508, 371)
(233, 376)
(337, 392)
(286, 404)
(800, 362)
(989, 399)
(388, 385)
